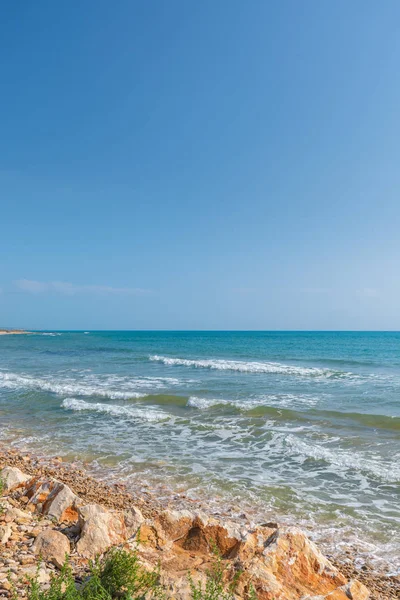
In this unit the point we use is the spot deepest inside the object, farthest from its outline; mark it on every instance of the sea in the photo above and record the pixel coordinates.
(298, 427)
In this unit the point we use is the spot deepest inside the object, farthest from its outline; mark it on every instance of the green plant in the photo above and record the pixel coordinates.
(252, 594)
(214, 587)
(62, 586)
(122, 575)
(2, 488)
(93, 589)
(13, 590)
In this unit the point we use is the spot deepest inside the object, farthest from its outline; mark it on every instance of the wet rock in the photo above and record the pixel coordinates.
(53, 546)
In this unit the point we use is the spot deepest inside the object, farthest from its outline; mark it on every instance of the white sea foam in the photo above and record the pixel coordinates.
(344, 459)
(274, 400)
(204, 403)
(114, 387)
(51, 334)
(250, 367)
(127, 412)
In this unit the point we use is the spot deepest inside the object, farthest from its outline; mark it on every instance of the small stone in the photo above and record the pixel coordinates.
(5, 533)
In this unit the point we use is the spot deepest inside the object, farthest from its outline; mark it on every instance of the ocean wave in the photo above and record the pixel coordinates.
(113, 387)
(292, 407)
(276, 400)
(127, 412)
(48, 333)
(204, 403)
(252, 367)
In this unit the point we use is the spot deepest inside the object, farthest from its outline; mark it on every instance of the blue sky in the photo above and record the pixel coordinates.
(200, 165)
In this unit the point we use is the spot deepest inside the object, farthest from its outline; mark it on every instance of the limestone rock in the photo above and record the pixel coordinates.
(281, 564)
(100, 529)
(355, 590)
(176, 523)
(19, 516)
(13, 477)
(133, 519)
(5, 533)
(53, 498)
(53, 546)
(286, 565)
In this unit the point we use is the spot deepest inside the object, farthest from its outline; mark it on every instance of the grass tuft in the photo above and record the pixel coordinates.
(214, 587)
(118, 576)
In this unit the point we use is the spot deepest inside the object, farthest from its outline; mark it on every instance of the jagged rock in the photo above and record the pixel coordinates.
(13, 477)
(53, 546)
(133, 519)
(5, 533)
(53, 498)
(100, 529)
(281, 564)
(286, 565)
(176, 523)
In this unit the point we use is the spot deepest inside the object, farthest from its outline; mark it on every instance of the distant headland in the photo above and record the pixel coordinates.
(13, 331)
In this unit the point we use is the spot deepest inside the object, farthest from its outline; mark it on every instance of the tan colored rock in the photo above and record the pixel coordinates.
(19, 516)
(176, 523)
(62, 504)
(5, 533)
(100, 529)
(355, 590)
(133, 519)
(282, 564)
(53, 546)
(13, 478)
(40, 575)
(53, 498)
(286, 565)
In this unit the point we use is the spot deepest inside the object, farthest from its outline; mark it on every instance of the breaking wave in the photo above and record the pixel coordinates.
(128, 412)
(252, 367)
(113, 387)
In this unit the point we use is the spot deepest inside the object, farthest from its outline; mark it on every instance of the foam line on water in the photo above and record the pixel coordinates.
(113, 387)
(344, 460)
(251, 367)
(127, 412)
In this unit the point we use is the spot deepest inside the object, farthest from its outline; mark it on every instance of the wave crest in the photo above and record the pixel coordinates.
(128, 412)
(113, 387)
(251, 367)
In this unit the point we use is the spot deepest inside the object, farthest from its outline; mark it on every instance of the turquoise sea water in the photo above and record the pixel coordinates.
(299, 426)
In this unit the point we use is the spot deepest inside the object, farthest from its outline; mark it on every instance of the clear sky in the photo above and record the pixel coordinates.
(222, 164)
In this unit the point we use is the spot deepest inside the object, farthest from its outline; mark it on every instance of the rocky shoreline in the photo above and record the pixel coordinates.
(52, 508)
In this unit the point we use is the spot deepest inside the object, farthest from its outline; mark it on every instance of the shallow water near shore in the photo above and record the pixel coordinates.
(302, 427)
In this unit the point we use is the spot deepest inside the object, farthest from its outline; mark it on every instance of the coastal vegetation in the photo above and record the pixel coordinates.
(121, 576)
